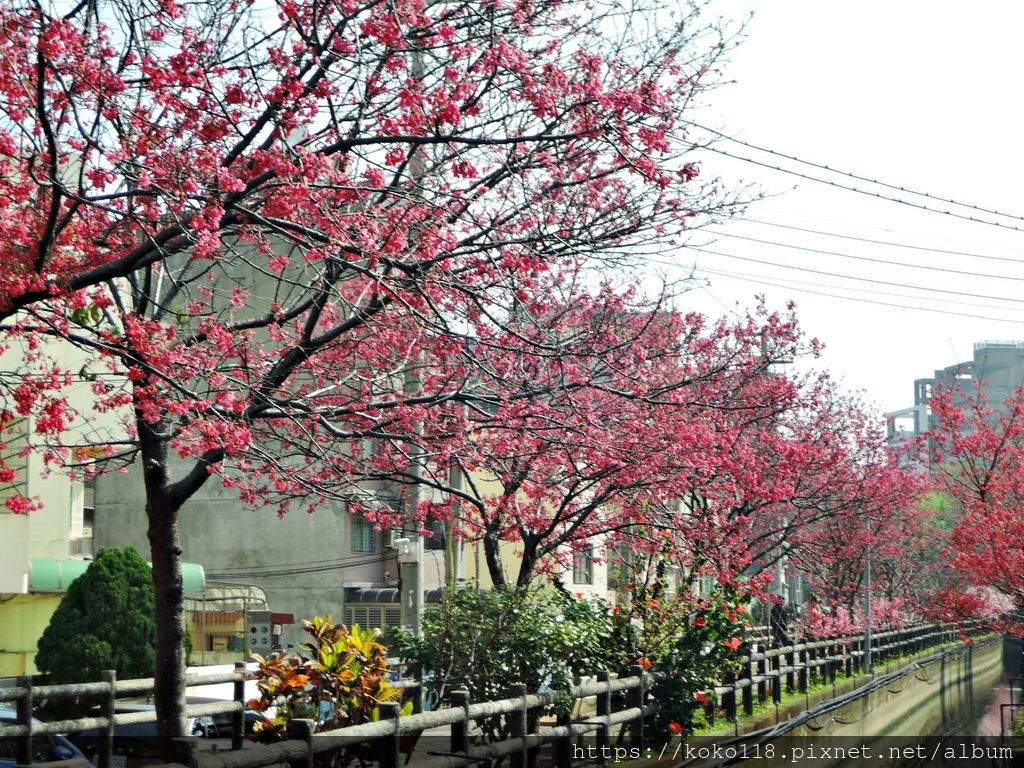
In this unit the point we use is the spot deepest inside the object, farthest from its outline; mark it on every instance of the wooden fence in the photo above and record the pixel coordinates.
(764, 674)
(794, 668)
(520, 713)
(25, 695)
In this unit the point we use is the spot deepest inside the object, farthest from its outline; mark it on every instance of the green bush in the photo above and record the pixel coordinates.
(484, 642)
(105, 621)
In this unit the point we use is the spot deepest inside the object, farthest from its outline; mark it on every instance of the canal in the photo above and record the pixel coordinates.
(952, 708)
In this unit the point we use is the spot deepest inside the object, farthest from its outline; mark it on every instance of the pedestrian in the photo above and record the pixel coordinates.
(778, 624)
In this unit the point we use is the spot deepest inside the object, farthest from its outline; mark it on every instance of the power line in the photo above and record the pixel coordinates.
(877, 195)
(819, 251)
(858, 279)
(872, 241)
(858, 177)
(884, 231)
(295, 569)
(816, 291)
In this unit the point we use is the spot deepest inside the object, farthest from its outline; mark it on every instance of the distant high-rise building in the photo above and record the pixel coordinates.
(997, 370)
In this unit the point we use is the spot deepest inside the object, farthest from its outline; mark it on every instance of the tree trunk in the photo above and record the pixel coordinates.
(165, 552)
(528, 563)
(492, 554)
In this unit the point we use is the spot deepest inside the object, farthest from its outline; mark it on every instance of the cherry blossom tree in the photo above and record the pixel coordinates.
(626, 425)
(660, 433)
(886, 521)
(806, 461)
(279, 230)
(978, 452)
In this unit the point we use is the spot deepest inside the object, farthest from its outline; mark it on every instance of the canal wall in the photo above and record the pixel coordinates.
(940, 695)
(926, 697)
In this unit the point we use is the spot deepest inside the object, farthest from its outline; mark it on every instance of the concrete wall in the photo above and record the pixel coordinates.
(45, 533)
(302, 561)
(22, 621)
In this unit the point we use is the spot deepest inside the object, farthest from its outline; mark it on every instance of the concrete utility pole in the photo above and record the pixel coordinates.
(410, 554)
(453, 553)
(410, 550)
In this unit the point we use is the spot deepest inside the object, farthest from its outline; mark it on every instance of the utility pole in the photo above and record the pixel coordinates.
(410, 555)
(453, 553)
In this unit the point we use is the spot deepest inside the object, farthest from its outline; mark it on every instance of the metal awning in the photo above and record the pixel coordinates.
(385, 595)
(49, 575)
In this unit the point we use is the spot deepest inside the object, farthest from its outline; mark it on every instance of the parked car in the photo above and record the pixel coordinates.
(138, 744)
(45, 748)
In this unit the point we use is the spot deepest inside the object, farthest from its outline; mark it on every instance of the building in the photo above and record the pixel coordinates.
(329, 562)
(39, 550)
(996, 370)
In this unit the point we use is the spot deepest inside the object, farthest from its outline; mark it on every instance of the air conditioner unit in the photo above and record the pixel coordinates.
(391, 535)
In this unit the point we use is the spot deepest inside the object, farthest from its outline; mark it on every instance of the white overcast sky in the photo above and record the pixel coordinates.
(923, 95)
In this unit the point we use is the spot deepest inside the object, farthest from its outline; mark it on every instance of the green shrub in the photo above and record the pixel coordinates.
(105, 621)
(483, 642)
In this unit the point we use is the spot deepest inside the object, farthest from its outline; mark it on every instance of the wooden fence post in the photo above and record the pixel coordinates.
(389, 748)
(729, 698)
(777, 684)
(23, 750)
(417, 698)
(186, 751)
(460, 730)
(764, 668)
(238, 718)
(516, 722)
(801, 675)
(636, 698)
(748, 689)
(563, 747)
(791, 658)
(105, 758)
(303, 730)
(603, 740)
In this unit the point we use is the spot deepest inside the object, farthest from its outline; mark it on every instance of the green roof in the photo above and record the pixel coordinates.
(47, 575)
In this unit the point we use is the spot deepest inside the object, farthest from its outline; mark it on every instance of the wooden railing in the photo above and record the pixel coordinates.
(524, 732)
(770, 673)
(25, 695)
(519, 715)
(764, 674)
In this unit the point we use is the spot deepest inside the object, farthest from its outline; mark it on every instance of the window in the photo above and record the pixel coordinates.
(364, 537)
(82, 517)
(707, 585)
(583, 567)
(436, 541)
(14, 437)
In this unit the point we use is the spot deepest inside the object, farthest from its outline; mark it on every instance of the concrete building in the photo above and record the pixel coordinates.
(307, 564)
(996, 369)
(39, 549)
(44, 551)
(328, 562)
